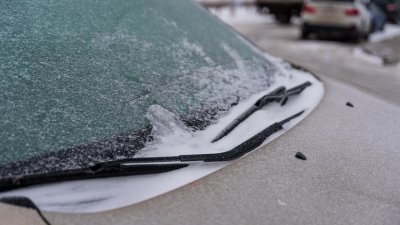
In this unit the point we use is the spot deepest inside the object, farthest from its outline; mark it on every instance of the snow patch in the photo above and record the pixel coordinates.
(164, 122)
(240, 64)
(361, 54)
(197, 49)
(389, 32)
(326, 50)
(241, 15)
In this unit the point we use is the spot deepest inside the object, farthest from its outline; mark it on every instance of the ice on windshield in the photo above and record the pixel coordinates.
(79, 79)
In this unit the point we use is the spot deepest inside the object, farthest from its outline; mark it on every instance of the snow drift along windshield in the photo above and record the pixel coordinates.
(79, 80)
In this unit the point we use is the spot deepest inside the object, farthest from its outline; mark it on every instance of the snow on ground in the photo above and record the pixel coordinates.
(330, 51)
(359, 53)
(241, 15)
(390, 31)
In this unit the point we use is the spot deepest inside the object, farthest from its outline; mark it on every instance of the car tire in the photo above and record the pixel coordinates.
(304, 34)
(357, 38)
(283, 18)
(366, 36)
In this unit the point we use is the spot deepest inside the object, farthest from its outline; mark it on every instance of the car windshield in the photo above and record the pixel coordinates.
(80, 81)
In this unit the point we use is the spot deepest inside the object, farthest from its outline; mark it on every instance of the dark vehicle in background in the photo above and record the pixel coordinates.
(390, 8)
(384, 11)
(283, 10)
(378, 17)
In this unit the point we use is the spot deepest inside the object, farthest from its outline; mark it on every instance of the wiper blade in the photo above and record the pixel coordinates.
(141, 166)
(235, 153)
(10, 183)
(278, 95)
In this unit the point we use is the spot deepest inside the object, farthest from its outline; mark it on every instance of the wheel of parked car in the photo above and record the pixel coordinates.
(357, 38)
(366, 36)
(283, 18)
(304, 33)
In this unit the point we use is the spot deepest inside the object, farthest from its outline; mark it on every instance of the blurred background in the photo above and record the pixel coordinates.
(367, 30)
(354, 41)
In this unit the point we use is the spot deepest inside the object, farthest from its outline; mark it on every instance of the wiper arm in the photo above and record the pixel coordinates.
(141, 166)
(278, 95)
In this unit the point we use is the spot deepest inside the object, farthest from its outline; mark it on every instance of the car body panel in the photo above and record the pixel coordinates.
(15, 215)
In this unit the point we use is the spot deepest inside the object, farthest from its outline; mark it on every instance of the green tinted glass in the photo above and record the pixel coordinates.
(73, 72)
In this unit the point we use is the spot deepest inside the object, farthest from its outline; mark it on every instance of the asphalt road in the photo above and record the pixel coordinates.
(332, 59)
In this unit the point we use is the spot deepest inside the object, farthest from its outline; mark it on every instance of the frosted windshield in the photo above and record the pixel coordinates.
(80, 76)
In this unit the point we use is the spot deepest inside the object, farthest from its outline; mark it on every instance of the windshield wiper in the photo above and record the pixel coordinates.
(141, 166)
(278, 95)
